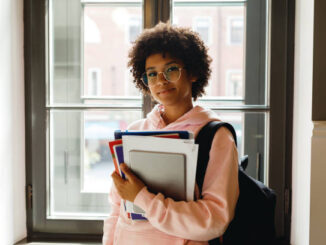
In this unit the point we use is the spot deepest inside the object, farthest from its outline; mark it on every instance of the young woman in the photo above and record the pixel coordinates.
(171, 64)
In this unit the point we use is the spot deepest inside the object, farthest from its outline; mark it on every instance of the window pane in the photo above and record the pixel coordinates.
(203, 26)
(235, 29)
(252, 139)
(222, 29)
(64, 52)
(88, 50)
(80, 162)
(108, 33)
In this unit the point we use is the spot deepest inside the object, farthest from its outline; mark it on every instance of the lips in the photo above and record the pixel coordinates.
(165, 91)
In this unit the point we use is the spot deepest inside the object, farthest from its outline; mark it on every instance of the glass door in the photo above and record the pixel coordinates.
(89, 95)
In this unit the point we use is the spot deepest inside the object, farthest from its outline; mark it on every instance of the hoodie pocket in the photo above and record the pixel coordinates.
(145, 238)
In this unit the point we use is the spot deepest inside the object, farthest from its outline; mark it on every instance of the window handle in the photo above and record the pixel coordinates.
(66, 166)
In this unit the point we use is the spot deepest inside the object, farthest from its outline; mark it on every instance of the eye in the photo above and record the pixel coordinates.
(152, 74)
(172, 68)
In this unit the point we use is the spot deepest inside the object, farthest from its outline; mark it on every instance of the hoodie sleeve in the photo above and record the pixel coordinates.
(208, 217)
(111, 221)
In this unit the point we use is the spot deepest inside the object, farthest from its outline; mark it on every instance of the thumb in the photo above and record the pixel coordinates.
(126, 170)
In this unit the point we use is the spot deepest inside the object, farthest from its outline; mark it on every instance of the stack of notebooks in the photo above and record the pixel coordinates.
(165, 161)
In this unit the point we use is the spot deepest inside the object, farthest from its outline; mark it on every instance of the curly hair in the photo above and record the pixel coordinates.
(179, 42)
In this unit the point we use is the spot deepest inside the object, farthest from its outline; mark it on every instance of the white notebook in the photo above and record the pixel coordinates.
(185, 148)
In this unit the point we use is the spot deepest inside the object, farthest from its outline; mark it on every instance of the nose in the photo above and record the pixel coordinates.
(161, 78)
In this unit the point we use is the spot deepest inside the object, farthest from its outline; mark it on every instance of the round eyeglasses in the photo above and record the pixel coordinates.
(171, 73)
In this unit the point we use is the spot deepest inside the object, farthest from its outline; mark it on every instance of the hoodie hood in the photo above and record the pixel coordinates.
(191, 120)
(197, 115)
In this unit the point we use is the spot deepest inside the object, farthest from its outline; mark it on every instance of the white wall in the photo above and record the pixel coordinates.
(12, 125)
(302, 122)
(318, 185)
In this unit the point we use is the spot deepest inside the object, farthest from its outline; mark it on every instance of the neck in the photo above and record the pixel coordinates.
(172, 113)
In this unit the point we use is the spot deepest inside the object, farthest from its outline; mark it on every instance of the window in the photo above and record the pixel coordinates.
(202, 25)
(86, 101)
(129, 85)
(205, 18)
(92, 33)
(234, 83)
(80, 62)
(134, 28)
(235, 29)
(94, 82)
(209, 89)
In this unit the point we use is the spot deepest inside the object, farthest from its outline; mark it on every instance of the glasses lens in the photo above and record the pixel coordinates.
(145, 79)
(151, 77)
(172, 73)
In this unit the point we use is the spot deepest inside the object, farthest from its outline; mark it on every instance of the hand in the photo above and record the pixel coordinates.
(129, 188)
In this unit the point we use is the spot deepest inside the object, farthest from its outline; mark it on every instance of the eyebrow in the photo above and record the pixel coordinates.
(171, 62)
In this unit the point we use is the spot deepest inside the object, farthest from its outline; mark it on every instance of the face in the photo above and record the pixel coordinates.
(175, 93)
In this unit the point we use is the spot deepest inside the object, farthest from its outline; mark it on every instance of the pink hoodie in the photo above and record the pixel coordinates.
(174, 223)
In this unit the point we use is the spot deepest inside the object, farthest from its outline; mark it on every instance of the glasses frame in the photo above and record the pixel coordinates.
(147, 84)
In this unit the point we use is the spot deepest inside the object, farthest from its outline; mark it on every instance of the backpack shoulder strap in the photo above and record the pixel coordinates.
(205, 139)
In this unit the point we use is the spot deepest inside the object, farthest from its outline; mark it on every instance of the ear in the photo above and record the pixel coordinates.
(193, 79)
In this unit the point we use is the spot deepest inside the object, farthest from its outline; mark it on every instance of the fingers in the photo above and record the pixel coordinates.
(117, 179)
(114, 175)
(127, 171)
(130, 177)
(127, 189)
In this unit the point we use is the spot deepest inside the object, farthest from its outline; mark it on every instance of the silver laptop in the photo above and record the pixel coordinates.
(161, 172)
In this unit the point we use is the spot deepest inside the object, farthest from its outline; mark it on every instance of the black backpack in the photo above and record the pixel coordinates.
(253, 222)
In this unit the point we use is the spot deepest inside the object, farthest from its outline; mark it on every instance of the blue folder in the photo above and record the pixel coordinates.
(182, 134)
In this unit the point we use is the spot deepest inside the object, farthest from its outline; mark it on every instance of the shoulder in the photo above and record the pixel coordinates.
(221, 137)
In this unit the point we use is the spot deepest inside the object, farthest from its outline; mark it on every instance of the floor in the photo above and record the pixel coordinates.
(24, 242)
(49, 243)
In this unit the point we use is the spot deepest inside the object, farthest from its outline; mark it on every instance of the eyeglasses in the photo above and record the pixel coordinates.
(171, 73)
